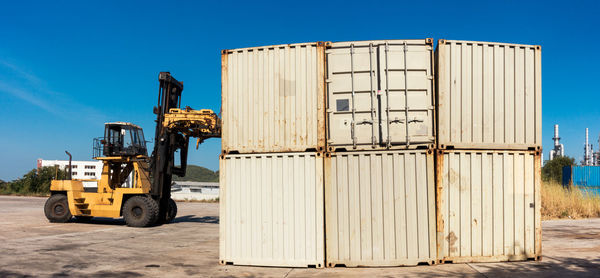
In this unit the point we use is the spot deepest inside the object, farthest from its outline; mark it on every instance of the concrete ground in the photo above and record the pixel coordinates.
(30, 246)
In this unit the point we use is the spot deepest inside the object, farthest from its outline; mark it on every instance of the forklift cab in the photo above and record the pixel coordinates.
(123, 139)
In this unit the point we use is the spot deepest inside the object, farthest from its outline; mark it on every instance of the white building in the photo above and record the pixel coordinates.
(191, 190)
(81, 170)
(88, 171)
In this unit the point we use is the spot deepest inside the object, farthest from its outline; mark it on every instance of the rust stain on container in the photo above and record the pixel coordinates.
(322, 96)
(224, 99)
(439, 158)
(451, 238)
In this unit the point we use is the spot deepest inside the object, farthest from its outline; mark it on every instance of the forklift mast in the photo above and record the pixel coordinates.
(166, 143)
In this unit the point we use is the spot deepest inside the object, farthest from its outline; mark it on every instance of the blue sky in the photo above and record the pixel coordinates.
(67, 67)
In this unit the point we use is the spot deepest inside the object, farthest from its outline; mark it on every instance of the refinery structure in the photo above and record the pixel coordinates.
(559, 149)
(590, 158)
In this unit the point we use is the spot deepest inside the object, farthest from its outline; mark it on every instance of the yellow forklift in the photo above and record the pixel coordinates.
(133, 185)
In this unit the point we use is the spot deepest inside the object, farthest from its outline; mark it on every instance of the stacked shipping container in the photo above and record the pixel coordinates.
(273, 98)
(271, 209)
(380, 95)
(489, 95)
(271, 169)
(584, 178)
(328, 153)
(379, 185)
(489, 140)
(380, 208)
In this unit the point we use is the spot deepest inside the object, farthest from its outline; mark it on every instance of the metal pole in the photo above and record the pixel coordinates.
(70, 169)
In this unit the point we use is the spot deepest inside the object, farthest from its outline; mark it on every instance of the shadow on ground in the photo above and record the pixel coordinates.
(121, 222)
(550, 267)
(101, 221)
(195, 219)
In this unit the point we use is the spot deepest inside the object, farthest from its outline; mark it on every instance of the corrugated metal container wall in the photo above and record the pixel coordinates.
(586, 178)
(380, 208)
(489, 95)
(488, 205)
(566, 176)
(273, 98)
(378, 92)
(271, 210)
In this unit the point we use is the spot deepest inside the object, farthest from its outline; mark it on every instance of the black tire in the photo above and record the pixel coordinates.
(171, 211)
(57, 209)
(140, 211)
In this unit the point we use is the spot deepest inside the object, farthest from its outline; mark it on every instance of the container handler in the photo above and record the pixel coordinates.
(133, 185)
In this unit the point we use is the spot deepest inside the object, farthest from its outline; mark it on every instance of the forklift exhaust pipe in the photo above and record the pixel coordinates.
(70, 169)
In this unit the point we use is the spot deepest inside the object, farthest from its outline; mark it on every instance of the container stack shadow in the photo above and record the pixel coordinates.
(380, 153)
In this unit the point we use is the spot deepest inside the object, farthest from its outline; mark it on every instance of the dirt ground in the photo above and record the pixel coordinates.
(32, 247)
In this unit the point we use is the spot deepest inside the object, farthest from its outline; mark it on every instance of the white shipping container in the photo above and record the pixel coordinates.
(488, 205)
(380, 208)
(489, 95)
(271, 210)
(273, 98)
(380, 94)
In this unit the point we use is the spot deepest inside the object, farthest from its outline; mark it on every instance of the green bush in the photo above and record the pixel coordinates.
(552, 170)
(35, 182)
(198, 173)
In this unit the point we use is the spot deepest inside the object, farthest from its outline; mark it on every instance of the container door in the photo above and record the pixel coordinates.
(406, 98)
(352, 94)
(378, 92)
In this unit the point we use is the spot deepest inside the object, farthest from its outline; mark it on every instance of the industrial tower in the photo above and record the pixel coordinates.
(559, 149)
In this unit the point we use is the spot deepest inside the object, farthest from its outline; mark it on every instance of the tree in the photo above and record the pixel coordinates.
(198, 173)
(36, 181)
(552, 170)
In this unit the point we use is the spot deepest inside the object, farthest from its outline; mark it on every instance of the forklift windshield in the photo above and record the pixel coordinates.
(123, 139)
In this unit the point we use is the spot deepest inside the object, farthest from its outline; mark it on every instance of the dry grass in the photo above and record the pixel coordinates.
(558, 202)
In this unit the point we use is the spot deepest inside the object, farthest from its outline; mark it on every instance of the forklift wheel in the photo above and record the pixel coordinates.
(171, 211)
(140, 211)
(57, 209)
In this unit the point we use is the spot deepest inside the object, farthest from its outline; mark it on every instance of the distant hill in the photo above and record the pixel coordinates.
(198, 173)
